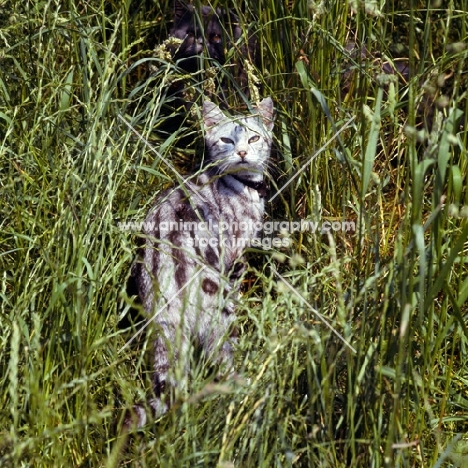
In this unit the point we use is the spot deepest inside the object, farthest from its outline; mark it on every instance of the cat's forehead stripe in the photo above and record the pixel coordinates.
(242, 124)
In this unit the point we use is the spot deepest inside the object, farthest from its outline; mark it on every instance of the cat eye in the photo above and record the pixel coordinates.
(254, 139)
(216, 38)
(227, 140)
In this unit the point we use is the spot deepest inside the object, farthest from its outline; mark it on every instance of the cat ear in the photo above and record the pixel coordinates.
(180, 9)
(267, 112)
(212, 114)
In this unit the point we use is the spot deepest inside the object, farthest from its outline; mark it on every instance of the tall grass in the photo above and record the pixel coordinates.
(391, 390)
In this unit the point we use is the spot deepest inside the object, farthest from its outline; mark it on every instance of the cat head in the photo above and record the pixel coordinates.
(201, 32)
(239, 145)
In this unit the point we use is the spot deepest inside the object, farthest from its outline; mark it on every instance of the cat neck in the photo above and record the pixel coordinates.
(259, 185)
(235, 181)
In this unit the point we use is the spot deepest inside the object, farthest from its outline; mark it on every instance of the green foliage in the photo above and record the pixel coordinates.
(385, 387)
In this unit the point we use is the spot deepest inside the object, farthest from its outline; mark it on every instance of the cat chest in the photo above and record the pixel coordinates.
(221, 223)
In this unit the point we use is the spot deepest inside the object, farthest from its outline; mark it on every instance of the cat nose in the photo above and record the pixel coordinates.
(242, 154)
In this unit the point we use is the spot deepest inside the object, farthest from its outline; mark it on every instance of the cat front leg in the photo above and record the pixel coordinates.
(225, 360)
(171, 365)
(217, 336)
(171, 368)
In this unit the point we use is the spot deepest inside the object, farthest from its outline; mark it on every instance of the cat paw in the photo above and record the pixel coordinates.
(158, 407)
(134, 418)
(138, 416)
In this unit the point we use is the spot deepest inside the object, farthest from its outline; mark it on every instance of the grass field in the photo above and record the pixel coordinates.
(385, 383)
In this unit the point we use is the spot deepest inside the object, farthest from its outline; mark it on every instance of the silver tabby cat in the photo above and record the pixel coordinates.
(189, 274)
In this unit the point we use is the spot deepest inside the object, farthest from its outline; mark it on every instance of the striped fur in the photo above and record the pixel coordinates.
(188, 280)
